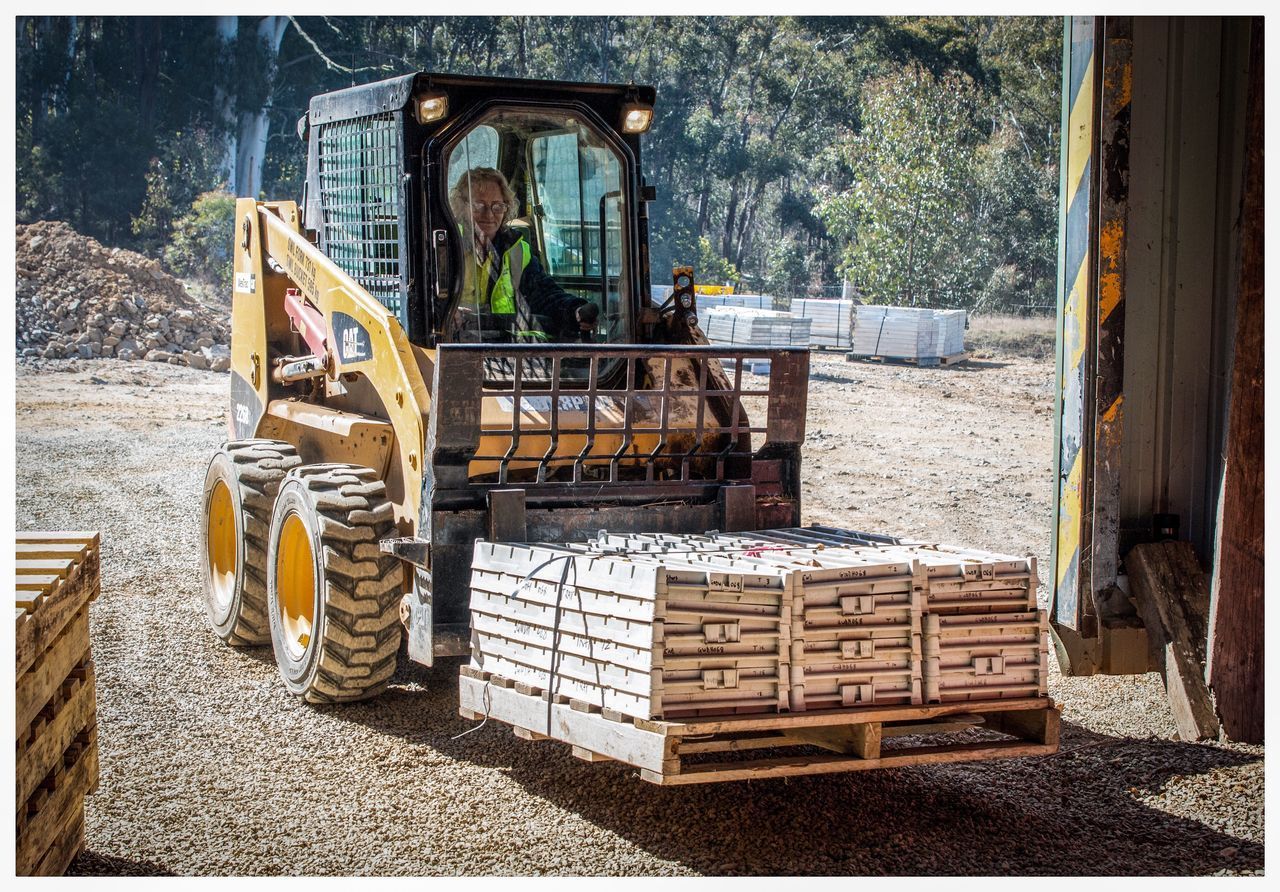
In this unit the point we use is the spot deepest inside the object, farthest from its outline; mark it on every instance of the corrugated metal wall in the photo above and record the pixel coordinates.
(1186, 160)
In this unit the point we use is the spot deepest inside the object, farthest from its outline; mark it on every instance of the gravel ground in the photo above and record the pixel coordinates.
(208, 767)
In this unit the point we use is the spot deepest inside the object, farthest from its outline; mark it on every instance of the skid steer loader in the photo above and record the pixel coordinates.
(382, 418)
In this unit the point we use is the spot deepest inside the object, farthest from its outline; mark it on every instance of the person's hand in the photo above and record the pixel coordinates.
(587, 314)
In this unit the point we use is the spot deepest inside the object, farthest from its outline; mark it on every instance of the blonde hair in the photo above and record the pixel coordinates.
(460, 194)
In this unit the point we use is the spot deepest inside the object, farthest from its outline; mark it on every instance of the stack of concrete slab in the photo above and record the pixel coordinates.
(832, 320)
(746, 327)
(907, 332)
(739, 301)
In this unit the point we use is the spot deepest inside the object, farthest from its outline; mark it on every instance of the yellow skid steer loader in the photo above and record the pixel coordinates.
(453, 337)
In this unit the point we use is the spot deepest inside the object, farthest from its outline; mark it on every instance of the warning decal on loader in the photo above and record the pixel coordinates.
(246, 408)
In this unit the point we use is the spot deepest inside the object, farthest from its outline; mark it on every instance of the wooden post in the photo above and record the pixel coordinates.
(1172, 596)
(1236, 622)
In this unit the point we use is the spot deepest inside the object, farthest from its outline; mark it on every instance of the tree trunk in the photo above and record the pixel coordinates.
(730, 217)
(73, 34)
(604, 50)
(255, 124)
(704, 201)
(224, 100)
(147, 53)
(522, 48)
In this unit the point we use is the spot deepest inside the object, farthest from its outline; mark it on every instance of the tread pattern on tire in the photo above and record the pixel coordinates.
(261, 466)
(362, 584)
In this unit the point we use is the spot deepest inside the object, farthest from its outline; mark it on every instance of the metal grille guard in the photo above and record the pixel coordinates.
(673, 427)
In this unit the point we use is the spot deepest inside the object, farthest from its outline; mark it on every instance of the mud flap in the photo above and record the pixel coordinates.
(415, 613)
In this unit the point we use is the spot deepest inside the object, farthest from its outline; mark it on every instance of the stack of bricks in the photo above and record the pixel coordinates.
(667, 626)
(57, 749)
(647, 638)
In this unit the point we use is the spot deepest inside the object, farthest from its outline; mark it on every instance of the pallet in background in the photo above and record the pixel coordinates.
(55, 698)
(821, 742)
(924, 362)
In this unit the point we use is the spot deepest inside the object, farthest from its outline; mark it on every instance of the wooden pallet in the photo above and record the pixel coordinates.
(55, 698)
(685, 752)
(924, 362)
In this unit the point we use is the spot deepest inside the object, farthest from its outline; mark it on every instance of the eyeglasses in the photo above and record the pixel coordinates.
(496, 208)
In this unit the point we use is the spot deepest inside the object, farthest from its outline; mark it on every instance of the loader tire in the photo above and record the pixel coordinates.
(239, 492)
(333, 598)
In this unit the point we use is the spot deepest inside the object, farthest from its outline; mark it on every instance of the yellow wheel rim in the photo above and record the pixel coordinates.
(296, 585)
(220, 544)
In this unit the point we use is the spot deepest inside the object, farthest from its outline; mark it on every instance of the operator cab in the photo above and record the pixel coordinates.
(563, 226)
(392, 194)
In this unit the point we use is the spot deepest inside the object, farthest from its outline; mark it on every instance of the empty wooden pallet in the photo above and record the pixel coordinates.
(708, 750)
(56, 706)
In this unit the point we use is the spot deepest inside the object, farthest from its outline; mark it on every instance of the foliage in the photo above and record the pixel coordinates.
(911, 218)
(186, 167)
(201, 243)
(711, 268)
(951, 200)
(787, 268)
(784, 149)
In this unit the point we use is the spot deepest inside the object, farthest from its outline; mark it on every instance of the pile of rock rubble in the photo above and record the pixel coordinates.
(78, 299)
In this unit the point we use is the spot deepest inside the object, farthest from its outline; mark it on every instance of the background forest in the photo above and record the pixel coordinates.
(913, 158)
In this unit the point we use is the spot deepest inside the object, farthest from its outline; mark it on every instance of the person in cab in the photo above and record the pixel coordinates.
(506, 294)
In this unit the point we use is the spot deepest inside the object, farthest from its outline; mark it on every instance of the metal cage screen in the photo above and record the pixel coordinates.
(361, 201)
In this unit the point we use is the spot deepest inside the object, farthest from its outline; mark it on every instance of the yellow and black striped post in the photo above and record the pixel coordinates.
(1113, 220)
(1075, 287)
(1093, 223)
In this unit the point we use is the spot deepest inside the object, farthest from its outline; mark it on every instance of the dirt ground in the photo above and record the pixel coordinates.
(208, 767)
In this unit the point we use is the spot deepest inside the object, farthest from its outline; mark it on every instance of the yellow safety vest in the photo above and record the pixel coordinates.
(503, 297)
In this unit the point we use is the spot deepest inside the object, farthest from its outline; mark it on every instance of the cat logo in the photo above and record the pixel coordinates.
(351, 345)
(352, 339)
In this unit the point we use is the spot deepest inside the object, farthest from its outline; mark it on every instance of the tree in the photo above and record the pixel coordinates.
(912, 218)
(243, 97)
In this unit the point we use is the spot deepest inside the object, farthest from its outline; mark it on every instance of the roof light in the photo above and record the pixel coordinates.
(431, 107)
(636, 117)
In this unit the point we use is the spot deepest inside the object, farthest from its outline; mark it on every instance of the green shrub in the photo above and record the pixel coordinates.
(712, 269)
(201, 243)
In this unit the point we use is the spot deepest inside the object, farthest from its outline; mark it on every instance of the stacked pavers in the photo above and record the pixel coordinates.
(663, 626)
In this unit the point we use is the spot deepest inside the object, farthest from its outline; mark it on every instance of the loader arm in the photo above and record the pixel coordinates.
(363, 337)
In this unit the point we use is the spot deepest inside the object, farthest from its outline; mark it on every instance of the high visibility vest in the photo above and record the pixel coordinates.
(503, 297)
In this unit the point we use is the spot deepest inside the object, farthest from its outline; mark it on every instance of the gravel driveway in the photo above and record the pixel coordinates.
(208, 767)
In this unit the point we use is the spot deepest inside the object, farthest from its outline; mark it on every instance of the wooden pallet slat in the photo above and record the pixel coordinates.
(86, 538)
(74, 551)
(56, 764)
(851, 740)
(64, 791)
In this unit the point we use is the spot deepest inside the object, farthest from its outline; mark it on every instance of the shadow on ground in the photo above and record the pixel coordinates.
(90, 864)
(1075, 812)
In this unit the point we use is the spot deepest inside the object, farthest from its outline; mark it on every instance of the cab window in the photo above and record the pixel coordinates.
(537, 200)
